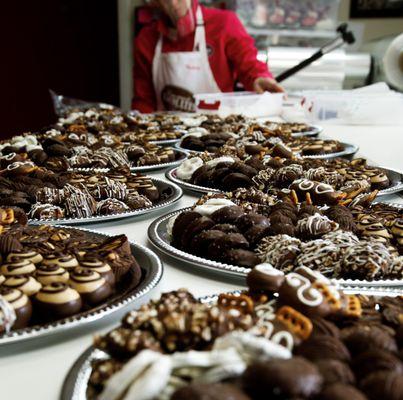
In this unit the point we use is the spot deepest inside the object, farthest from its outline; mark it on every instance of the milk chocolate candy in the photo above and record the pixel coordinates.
(375, 360)
(341, 391)
(93, 288)
(210, 391)
(264, 277)
(21, 304)
(384, 385)
(293, 378)
(228, 215)
(335, 371)
(57, 300)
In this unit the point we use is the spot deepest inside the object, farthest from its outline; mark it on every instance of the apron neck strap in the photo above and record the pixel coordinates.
(200, 35)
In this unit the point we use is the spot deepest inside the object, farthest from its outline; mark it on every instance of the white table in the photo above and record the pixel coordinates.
(36, 371)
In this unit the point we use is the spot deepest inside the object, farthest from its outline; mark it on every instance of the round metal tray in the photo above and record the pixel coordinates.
(155, 167)
(158, 236)
(348, 152)
(172, 191)
(152, 271)
(76, 382)
(314, 131)
(395, 177)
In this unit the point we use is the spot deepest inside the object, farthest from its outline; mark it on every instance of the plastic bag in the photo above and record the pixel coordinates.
(64, 105)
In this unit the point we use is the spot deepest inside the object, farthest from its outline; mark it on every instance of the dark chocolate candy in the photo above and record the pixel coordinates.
(210, 391)
(341, 391)
(335, 371)
(385, 385)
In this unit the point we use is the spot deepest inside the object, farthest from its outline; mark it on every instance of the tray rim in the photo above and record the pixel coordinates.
(73, 387)
(149, 283)
(170, 174)
(233, 271)
(349, 150)
(177, 195)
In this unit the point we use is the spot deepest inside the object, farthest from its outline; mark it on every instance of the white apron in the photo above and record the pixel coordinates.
(179, 75)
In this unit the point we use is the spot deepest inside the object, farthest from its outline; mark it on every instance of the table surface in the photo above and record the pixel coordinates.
(37, 370)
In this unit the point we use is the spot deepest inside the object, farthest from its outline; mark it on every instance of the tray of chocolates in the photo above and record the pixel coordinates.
(53, 279)
(295, 336)
(204, 173)
(229, 234)
(88, 195)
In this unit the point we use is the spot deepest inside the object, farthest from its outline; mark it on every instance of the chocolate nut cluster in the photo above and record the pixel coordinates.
(300, 337)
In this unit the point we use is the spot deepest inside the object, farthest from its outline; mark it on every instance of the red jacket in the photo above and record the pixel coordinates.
(232, 55)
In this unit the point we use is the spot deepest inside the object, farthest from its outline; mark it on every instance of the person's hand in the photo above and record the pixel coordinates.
(265, 84)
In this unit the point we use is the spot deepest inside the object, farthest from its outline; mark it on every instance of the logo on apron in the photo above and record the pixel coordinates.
(176, 98)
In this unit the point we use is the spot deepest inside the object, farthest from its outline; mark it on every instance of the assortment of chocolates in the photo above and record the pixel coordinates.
(49, 273)
(248, 137)
(292, 335)
(246, 227)
(45, 195)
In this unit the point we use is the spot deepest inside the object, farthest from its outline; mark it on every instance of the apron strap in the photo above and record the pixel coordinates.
(200, 33)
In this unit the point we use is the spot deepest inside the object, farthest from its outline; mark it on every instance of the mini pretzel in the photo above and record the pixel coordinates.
(7, 216)
(240, 302)
(76, 128)
(334, 303)
(293, 196)
(353, 308)
(308, 199)
(296, 322)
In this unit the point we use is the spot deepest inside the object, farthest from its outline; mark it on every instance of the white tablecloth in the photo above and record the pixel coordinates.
(36, 371)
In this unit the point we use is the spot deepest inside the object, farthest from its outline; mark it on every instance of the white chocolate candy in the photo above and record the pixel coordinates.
(7, 315)
(268, 269)
(215, 161)
(212, 205)
(188, 167)
(192, 122)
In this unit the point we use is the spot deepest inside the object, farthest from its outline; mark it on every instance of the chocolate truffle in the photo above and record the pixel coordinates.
(264, 277)
(58, 300)
(335, 371)
(26, 284)
(376, 360)
(341, 391)
(99, 266)
(209, 391)
(18, 267)
(386, 385)
(46, 274)
(65, 261)
(21, 304)
(293, 378)
(93, 288)
(227, 215)
(241, 257)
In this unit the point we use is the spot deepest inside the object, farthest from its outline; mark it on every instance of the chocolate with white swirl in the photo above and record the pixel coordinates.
(95, 264)
(320, 193)
(21, 304)
(315, 226)
(57, 300)
(27, 284)
(93, 288)
(65, 261)
(17, 267)
(47, 274)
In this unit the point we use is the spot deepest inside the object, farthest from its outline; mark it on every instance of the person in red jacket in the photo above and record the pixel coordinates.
(192, 49)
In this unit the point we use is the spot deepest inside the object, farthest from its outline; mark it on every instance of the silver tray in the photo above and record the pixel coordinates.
(157, 234)
(348, 152)
(314, 131)
(152, 271)
(76, 382)
(176, 194)
(170, 174)
(395, 177)
(156, 167)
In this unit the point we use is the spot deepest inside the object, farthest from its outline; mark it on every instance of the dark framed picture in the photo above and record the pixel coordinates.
(376, 8)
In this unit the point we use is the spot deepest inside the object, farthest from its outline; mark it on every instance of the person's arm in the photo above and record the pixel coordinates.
(242, 53)
(144, 99)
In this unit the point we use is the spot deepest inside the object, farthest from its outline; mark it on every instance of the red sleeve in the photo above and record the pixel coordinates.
(144, 99)
(242, 53)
